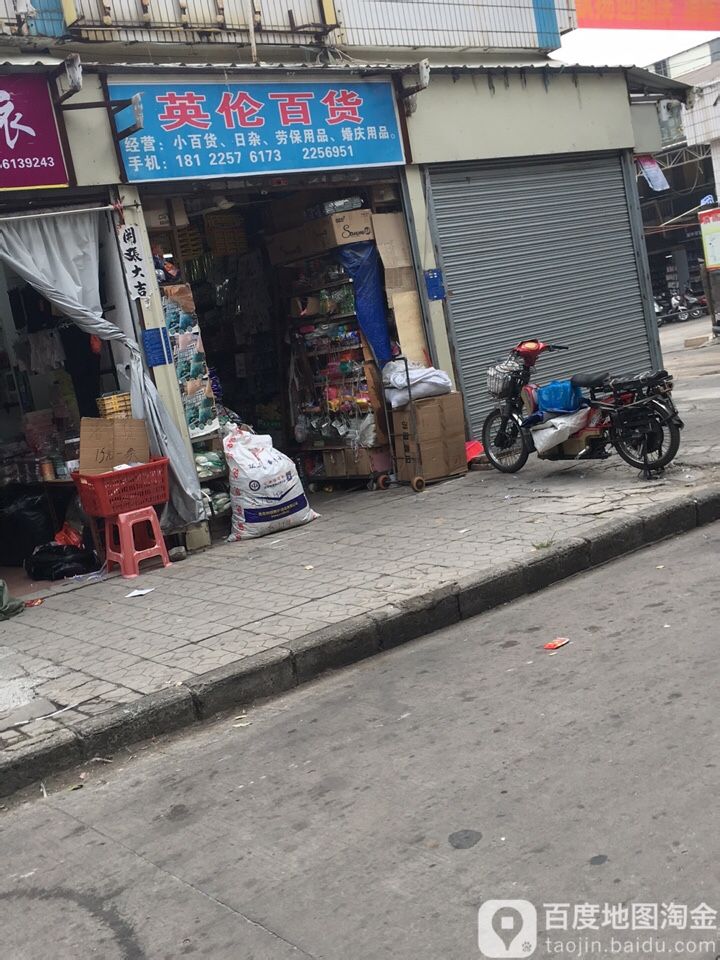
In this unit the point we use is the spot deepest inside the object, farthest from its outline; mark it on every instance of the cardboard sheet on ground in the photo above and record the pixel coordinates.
(105, 444)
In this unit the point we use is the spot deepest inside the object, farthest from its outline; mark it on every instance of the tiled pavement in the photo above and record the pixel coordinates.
(91, 648)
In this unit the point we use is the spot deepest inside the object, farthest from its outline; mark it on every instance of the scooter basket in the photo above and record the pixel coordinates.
(502, 378)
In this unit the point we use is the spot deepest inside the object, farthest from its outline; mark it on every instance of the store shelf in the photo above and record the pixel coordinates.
(325, 353)
(216, 475)
(308, 291)
(307, 449)
(325, 318)
(334, 381)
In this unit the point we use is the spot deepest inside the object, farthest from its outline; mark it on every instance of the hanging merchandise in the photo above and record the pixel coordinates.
(266, 492)
(190, 364)
(362, 263)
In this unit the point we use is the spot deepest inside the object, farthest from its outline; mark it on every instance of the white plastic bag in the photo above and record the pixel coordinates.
(424, 382)
(552, 432)
(265, 490)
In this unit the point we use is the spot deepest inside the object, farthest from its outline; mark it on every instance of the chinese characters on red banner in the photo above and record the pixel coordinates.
(242, 110)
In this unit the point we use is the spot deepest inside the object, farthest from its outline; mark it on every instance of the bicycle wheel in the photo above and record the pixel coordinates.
(663, 443)
(504, 442)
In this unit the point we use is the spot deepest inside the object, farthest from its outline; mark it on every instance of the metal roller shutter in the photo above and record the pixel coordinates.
(544, 250)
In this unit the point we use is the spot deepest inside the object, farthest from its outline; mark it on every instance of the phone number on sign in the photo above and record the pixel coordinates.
(231, 157)
(23, 163)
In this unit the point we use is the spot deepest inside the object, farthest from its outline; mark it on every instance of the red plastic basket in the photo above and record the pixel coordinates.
(107, 494)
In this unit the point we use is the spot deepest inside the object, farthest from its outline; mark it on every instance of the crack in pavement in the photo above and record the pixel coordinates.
(186, 883)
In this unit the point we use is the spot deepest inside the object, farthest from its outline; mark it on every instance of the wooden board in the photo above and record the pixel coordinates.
(408, 319)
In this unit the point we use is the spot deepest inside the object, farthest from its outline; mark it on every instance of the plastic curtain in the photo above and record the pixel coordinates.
(59, 257)
(362, 262)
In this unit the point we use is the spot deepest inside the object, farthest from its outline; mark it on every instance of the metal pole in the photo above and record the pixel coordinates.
(641, 258)
(250, 14)
(55, 213)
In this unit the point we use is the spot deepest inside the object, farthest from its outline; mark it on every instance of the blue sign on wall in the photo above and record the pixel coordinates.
(198, 130)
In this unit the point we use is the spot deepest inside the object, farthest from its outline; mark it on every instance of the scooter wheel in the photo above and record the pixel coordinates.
(418, 484)
(383, 482)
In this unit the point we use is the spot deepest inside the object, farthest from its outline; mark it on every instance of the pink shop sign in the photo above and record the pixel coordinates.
(31, 154)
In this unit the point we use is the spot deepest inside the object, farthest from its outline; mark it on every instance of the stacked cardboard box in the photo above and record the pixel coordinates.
(357, 463)
(432, 443)
(319, 236)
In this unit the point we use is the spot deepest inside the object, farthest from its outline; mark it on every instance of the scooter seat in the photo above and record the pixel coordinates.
(590, 380)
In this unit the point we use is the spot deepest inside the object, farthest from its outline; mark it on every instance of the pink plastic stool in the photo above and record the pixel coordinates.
(120, 544)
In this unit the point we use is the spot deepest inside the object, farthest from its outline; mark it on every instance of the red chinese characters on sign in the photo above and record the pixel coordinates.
(649, 14)
(30, 150)
(294, 107)
(243, 110)
(343, 106)
(183, 110)
(240, 110)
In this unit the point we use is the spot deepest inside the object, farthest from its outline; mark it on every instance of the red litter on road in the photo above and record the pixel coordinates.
(557, 643)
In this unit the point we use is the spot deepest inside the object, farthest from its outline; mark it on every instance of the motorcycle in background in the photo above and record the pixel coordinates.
(661, 314)
(696, 305)
(678, 308)
(636, 416)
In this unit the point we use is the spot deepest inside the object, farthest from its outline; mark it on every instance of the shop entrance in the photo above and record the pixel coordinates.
(52, 374)
(283, 300)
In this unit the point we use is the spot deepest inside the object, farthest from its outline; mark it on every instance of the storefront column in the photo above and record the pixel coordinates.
(152, 314)
(425, 251)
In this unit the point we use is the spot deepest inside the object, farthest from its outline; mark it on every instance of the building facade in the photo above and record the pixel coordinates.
(514, 175)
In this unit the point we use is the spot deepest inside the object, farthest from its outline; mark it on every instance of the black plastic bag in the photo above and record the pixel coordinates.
(24, 525)
(55, 561)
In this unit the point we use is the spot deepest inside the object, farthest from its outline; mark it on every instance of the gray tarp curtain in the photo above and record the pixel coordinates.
(59, 257)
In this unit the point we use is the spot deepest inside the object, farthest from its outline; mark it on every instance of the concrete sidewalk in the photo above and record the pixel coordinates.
(266, 614)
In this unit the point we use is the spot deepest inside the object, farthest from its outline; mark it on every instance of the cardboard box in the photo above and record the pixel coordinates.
(334, 463)
(435, 448)
(357, 463)
(436, 418)
(393, 245)
(366, 460)
(431, 459)
(287, 213)
(352, 226)
(105, 444)
(289, 246)
(319, 236)
(157, 216)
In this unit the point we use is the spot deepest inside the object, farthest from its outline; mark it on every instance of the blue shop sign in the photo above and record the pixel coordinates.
(199, 130)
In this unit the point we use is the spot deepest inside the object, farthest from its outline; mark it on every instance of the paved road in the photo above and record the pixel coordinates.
(366, 816)
(696, 369)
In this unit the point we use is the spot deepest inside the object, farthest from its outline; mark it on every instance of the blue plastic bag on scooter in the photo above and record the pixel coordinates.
(559, 396)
